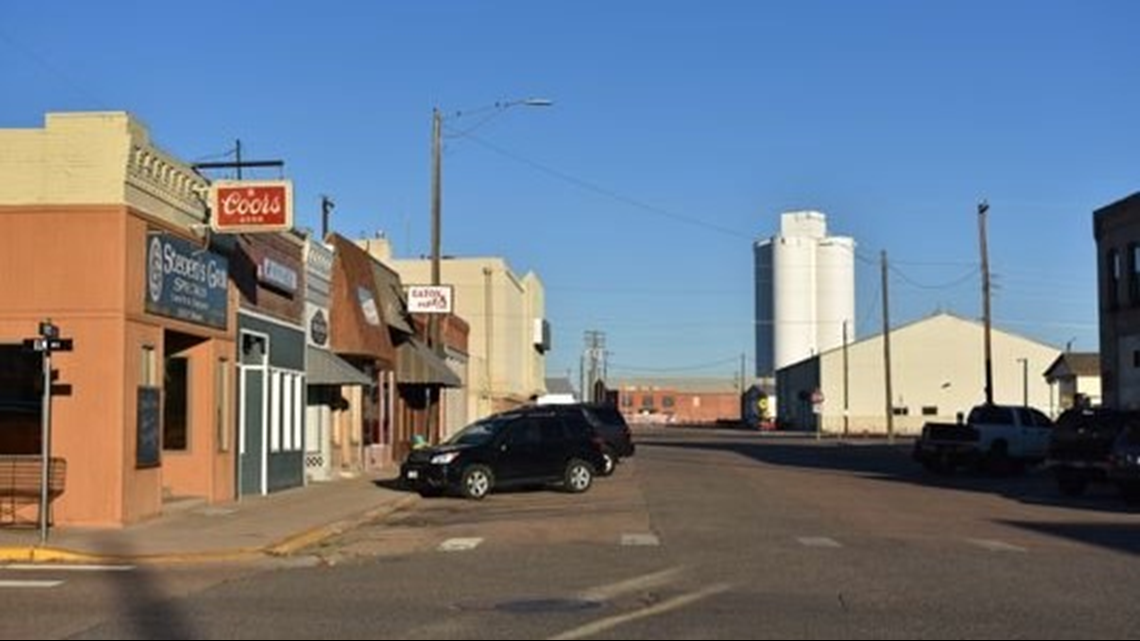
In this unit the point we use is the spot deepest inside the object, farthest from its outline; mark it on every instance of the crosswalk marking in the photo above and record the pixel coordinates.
(994, 545)
(30, 584)
(818, 542)
(460, 544)
(640, 539)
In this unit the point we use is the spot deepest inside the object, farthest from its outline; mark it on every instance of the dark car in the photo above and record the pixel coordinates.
(610, 425)
(1124, 461)
(512, 448)
(1081, 444)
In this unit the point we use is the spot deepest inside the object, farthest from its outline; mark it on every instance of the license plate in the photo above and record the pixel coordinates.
(413, 474)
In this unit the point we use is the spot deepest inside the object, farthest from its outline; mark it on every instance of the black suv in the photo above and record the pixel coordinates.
(610, 425)
(1081, 445)
(535, 445)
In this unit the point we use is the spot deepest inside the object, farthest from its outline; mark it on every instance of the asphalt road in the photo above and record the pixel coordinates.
(703, 535)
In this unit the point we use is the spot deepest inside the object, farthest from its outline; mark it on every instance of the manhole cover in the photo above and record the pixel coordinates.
(533, 606)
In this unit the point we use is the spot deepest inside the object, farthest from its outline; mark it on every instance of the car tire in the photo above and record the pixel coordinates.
(476, 482)
(609, 461)
(578, 477)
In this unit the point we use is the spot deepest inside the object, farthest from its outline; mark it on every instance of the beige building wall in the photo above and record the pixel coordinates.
(504, 368)
(937, 371)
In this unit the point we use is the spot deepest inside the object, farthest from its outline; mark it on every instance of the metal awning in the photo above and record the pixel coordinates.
(417, 364)
(322, 367)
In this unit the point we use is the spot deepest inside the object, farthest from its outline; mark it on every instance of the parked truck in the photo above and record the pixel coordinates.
(996, 438)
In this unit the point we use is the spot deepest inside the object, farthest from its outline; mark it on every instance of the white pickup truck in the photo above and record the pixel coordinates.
(999, 438)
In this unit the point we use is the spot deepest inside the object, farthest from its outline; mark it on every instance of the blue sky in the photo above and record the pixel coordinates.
(680, 132)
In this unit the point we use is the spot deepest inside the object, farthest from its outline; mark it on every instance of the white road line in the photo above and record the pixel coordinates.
(640, 539)
(994, 545)
(460, 545)
(601, 625)
(30, 584)
(819, 542)
(42, 567)
(644, 582)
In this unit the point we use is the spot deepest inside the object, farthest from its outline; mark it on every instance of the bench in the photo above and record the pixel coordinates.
(20, 477)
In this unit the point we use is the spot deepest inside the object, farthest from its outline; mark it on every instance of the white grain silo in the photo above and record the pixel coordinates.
(834, 292)
(805, 290)
(794, 298)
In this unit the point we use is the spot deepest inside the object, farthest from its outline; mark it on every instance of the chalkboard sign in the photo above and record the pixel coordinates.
(149, 424)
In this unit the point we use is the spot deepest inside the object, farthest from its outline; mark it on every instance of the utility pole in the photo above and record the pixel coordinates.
(984, 207)
(1024, 381)
(846, 384)
(887, 351)
(743, 374)
(595, 353)
(326, 210)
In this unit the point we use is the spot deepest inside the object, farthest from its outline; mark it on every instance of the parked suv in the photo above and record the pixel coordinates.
(1081, 444)
(535, 445)
(611, 426)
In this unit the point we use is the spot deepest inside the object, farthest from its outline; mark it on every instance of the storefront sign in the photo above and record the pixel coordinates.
(186, 282)
(277, 274)
(429, 299)
(368, 306)
(318, 324)
(251, 205)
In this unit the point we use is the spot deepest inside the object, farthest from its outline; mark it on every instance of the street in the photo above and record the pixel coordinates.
(704, 534)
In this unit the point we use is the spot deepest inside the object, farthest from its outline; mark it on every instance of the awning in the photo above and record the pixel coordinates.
(325, 368)
(417, 364)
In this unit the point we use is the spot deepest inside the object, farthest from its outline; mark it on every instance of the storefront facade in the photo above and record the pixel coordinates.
(101, 232)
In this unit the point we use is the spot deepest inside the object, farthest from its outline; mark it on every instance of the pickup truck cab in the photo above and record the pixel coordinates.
(999, 438)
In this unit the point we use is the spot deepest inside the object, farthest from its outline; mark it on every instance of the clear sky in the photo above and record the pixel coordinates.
(680, 132)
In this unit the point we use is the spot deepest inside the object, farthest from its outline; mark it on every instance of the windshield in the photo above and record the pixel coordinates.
(477, 433)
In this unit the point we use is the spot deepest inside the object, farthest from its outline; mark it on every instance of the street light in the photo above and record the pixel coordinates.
(437, 119)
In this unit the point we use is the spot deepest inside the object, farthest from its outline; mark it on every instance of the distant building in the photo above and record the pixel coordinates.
(1117, 231)
(559, 391)
(678, 400)
(937, 370)
(506, 313)
(805, 292)
(1077, 379)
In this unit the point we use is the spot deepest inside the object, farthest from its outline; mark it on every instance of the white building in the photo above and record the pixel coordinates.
(937, 370)
(805, 291)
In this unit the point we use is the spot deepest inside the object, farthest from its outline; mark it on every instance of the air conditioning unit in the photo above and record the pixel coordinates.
(541, 335)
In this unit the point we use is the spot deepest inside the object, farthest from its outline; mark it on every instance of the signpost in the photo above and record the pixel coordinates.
(48, 342)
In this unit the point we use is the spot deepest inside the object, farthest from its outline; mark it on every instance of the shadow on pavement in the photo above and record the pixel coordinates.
(1122, 537)
(879, 459)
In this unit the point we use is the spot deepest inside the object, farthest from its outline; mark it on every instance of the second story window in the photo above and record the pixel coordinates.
(1134, 275)
(1112, 279)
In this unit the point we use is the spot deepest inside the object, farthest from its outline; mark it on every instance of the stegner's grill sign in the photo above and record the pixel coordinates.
(186, 282)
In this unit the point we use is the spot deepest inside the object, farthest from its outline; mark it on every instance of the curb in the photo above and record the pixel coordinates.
(290, 545)
(287, 546)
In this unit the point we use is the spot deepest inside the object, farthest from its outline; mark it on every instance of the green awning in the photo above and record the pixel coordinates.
(417, 364)
(322, 367)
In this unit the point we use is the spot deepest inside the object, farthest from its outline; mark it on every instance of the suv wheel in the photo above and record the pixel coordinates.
(609, 459)
(476, 482)
(578, 477)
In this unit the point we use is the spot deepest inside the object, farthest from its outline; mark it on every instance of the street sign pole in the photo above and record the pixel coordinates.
(45, 447)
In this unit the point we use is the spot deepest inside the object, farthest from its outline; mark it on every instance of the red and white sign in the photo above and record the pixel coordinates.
(429, 299)
(251, 205)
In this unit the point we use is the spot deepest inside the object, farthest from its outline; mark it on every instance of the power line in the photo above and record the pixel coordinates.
(957, 282)
(607, 192)
(56, 71)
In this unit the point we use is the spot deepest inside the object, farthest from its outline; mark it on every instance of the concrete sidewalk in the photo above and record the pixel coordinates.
(278, 524)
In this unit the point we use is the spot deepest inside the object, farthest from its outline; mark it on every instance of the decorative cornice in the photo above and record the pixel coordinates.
(161, 176)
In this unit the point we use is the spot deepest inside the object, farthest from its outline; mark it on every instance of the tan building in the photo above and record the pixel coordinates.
(1076, 379)
(509, 334)
(937, 370)
(101, 232)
